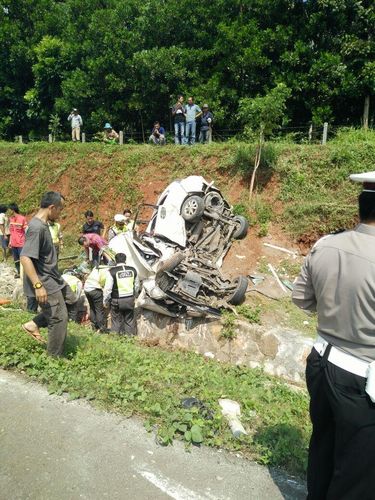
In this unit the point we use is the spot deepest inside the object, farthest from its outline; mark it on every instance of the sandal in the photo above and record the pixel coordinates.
(35, 335)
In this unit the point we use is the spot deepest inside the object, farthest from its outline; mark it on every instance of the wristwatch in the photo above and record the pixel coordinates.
(38, 285)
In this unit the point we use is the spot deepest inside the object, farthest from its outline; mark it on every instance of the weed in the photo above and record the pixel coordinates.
(251, 314)
(228, 330)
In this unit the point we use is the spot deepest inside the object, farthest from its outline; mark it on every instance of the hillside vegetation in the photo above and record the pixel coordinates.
(302, 188)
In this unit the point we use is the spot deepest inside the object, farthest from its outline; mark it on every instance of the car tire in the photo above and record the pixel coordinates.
(239, 294)
(214, 201)
(242, 227)
(192, 208)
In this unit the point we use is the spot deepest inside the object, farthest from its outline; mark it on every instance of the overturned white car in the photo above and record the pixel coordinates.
(179, 254)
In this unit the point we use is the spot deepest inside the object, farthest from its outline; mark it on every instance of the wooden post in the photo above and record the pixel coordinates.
(49, 137)
(20, 140)
(366, 112)
(121, 138)
(310, 132)
(83, 137)
(325, 133)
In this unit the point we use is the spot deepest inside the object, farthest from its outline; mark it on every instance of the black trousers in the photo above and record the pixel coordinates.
(122, 316)
(98, 315)
(342, 448)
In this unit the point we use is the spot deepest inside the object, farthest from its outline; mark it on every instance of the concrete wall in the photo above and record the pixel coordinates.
(279, 352)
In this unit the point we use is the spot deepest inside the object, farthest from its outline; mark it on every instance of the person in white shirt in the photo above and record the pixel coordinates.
(76, 122)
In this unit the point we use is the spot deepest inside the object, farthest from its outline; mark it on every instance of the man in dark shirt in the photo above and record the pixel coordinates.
(43, 280)
(91, 225)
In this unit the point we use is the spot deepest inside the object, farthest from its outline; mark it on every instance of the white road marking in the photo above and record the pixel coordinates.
(168, 486)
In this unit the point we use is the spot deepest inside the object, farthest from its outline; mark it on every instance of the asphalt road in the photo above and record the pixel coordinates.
(52, 449)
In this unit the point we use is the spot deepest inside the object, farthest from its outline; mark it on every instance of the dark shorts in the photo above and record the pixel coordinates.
(4, 241)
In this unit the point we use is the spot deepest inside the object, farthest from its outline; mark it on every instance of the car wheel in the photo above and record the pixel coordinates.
(192, 208)
(239, 294)
(242, 227)
(213, 201)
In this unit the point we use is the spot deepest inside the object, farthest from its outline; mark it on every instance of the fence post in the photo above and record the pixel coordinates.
(325, 133)
(83, 137)
(121, 139)
(20, 140)
(49, 137)
(310, 132)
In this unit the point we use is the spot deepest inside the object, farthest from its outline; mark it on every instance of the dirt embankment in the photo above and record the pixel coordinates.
(109, 179)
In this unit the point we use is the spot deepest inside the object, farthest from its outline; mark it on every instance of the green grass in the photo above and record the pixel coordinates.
(127, 377)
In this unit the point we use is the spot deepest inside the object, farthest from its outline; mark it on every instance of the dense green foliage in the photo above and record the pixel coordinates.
(125, 376)
(125, 61)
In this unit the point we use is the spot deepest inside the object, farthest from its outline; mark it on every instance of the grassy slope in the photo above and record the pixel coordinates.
(302, 187)
(123, 375)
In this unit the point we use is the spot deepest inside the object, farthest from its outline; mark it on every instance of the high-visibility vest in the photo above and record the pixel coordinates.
(74, 283)
(55, 232)
(96, 279)
(124, 278)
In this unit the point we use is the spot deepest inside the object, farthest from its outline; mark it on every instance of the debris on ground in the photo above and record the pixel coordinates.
(231, 410)
(281, 249)
(276, 276)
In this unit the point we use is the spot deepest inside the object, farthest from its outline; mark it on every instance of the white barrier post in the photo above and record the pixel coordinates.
(325, 133)
(83, 137)
(121, 139)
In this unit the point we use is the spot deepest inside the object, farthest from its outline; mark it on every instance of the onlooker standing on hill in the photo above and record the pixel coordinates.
(42, 280)
(207, 119)
(76, 122)
(91, 225)
(17, 230)
(178, 113)
(157, 135)
(4, 230)
(193, 111)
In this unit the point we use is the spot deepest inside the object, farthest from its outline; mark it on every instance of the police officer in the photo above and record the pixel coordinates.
(338, 281)
(120, 288)
(93, 289)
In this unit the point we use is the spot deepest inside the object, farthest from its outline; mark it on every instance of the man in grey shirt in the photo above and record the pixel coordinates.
(338, 281)
(43, 280)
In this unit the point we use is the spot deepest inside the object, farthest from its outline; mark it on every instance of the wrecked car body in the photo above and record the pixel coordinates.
(179, 255)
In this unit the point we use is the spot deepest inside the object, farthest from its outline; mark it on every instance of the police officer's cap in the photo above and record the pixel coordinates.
(367, 179)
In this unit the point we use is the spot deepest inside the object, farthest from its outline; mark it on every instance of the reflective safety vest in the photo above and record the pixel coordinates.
(123, 281)
(96, 279)
(74, 283)
(55, 232)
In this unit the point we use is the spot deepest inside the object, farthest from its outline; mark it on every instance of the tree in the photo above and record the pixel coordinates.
(261, 116)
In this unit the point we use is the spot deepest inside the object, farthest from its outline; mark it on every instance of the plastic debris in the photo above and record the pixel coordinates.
(282, 249)
(231, 410)
(272, 269)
